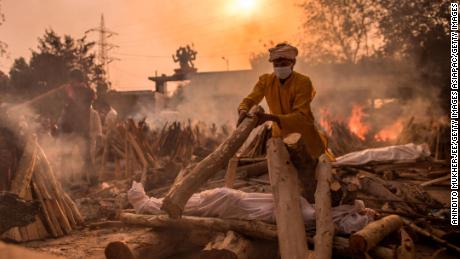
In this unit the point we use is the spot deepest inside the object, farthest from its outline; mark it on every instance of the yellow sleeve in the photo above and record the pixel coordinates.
(301, 114)
(255, 97)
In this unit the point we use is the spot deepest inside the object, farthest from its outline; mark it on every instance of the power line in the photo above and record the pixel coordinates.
(104, 45)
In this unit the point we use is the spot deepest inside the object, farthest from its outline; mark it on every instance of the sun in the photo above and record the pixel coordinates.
(245, 5)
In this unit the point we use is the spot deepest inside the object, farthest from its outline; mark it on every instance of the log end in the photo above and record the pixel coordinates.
(292, 139)
(118, 250)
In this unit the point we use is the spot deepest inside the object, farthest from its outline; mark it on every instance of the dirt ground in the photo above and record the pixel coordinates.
(86, 243)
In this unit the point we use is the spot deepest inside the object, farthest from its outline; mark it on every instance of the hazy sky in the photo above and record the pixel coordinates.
(149, 31)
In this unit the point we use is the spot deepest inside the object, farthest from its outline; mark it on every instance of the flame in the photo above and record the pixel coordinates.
(324, 120)
(390, 132)
(355, 123)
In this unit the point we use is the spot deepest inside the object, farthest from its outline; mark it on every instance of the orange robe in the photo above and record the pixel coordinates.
(291, 103)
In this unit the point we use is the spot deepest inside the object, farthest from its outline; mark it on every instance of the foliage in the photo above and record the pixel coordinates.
(50, 65)
(419, 31)
(339, 31)
(3, 45)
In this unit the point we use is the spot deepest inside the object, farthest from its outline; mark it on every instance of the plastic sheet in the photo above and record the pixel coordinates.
(392, 153)
(233, 204)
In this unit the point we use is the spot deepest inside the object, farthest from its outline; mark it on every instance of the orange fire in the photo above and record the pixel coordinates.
(390, 132)
(355, 123)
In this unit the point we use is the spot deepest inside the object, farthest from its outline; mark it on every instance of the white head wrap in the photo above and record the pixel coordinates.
(283, 50)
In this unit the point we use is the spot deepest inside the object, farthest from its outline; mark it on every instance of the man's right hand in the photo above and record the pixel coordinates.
(241, 115)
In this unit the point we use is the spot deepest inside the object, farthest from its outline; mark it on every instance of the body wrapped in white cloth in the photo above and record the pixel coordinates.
(228, 203)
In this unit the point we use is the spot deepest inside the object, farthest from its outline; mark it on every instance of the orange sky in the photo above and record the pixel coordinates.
(151, 30)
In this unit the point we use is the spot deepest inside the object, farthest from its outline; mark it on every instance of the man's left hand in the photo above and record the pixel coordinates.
(263, 117)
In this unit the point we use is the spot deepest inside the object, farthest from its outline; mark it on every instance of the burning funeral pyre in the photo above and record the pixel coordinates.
(216, 188)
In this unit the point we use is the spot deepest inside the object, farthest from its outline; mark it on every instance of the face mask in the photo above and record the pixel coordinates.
(283, 72)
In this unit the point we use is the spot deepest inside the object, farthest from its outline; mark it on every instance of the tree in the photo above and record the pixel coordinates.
(339, 31)
(3, 45)
(3, 83)
(50, 65)
(419, 31)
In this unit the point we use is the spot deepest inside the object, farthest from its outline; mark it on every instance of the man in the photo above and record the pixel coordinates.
(78, 120)
(108, 114)
(288, 95)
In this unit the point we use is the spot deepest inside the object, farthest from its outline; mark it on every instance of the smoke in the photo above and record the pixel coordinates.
(210, 97)
(66, 153)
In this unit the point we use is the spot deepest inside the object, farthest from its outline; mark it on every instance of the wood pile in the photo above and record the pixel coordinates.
(434, 133)
(34, 179)
(397, 191)
(342, 140)
(135, 147)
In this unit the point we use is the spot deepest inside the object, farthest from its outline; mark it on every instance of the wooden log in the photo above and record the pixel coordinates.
(382, 252)
(433, 237)
(323, 211)
(297, 151)
(255, 229)
(160, 243)
(230, 174)
(305, 165)
(229, 245)
(407, 247)
(252, 170)
(21, 182)
(25, 169)
(181, 191)
(30, 231)
(118, 250)
(368, 237)
(251, 228)
(140, 156)
(435, 181)
(234, 245)
(283, 179)
(373, 185)
(47, 206)
(75, 211)
(45, 213)
(45, 175)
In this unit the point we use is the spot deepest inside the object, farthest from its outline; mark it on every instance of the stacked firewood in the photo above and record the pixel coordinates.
(397, 191)
(435, 134)
(342, 140)
(394, 186)
(402, 189)
(33, 180)
(138, 148)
